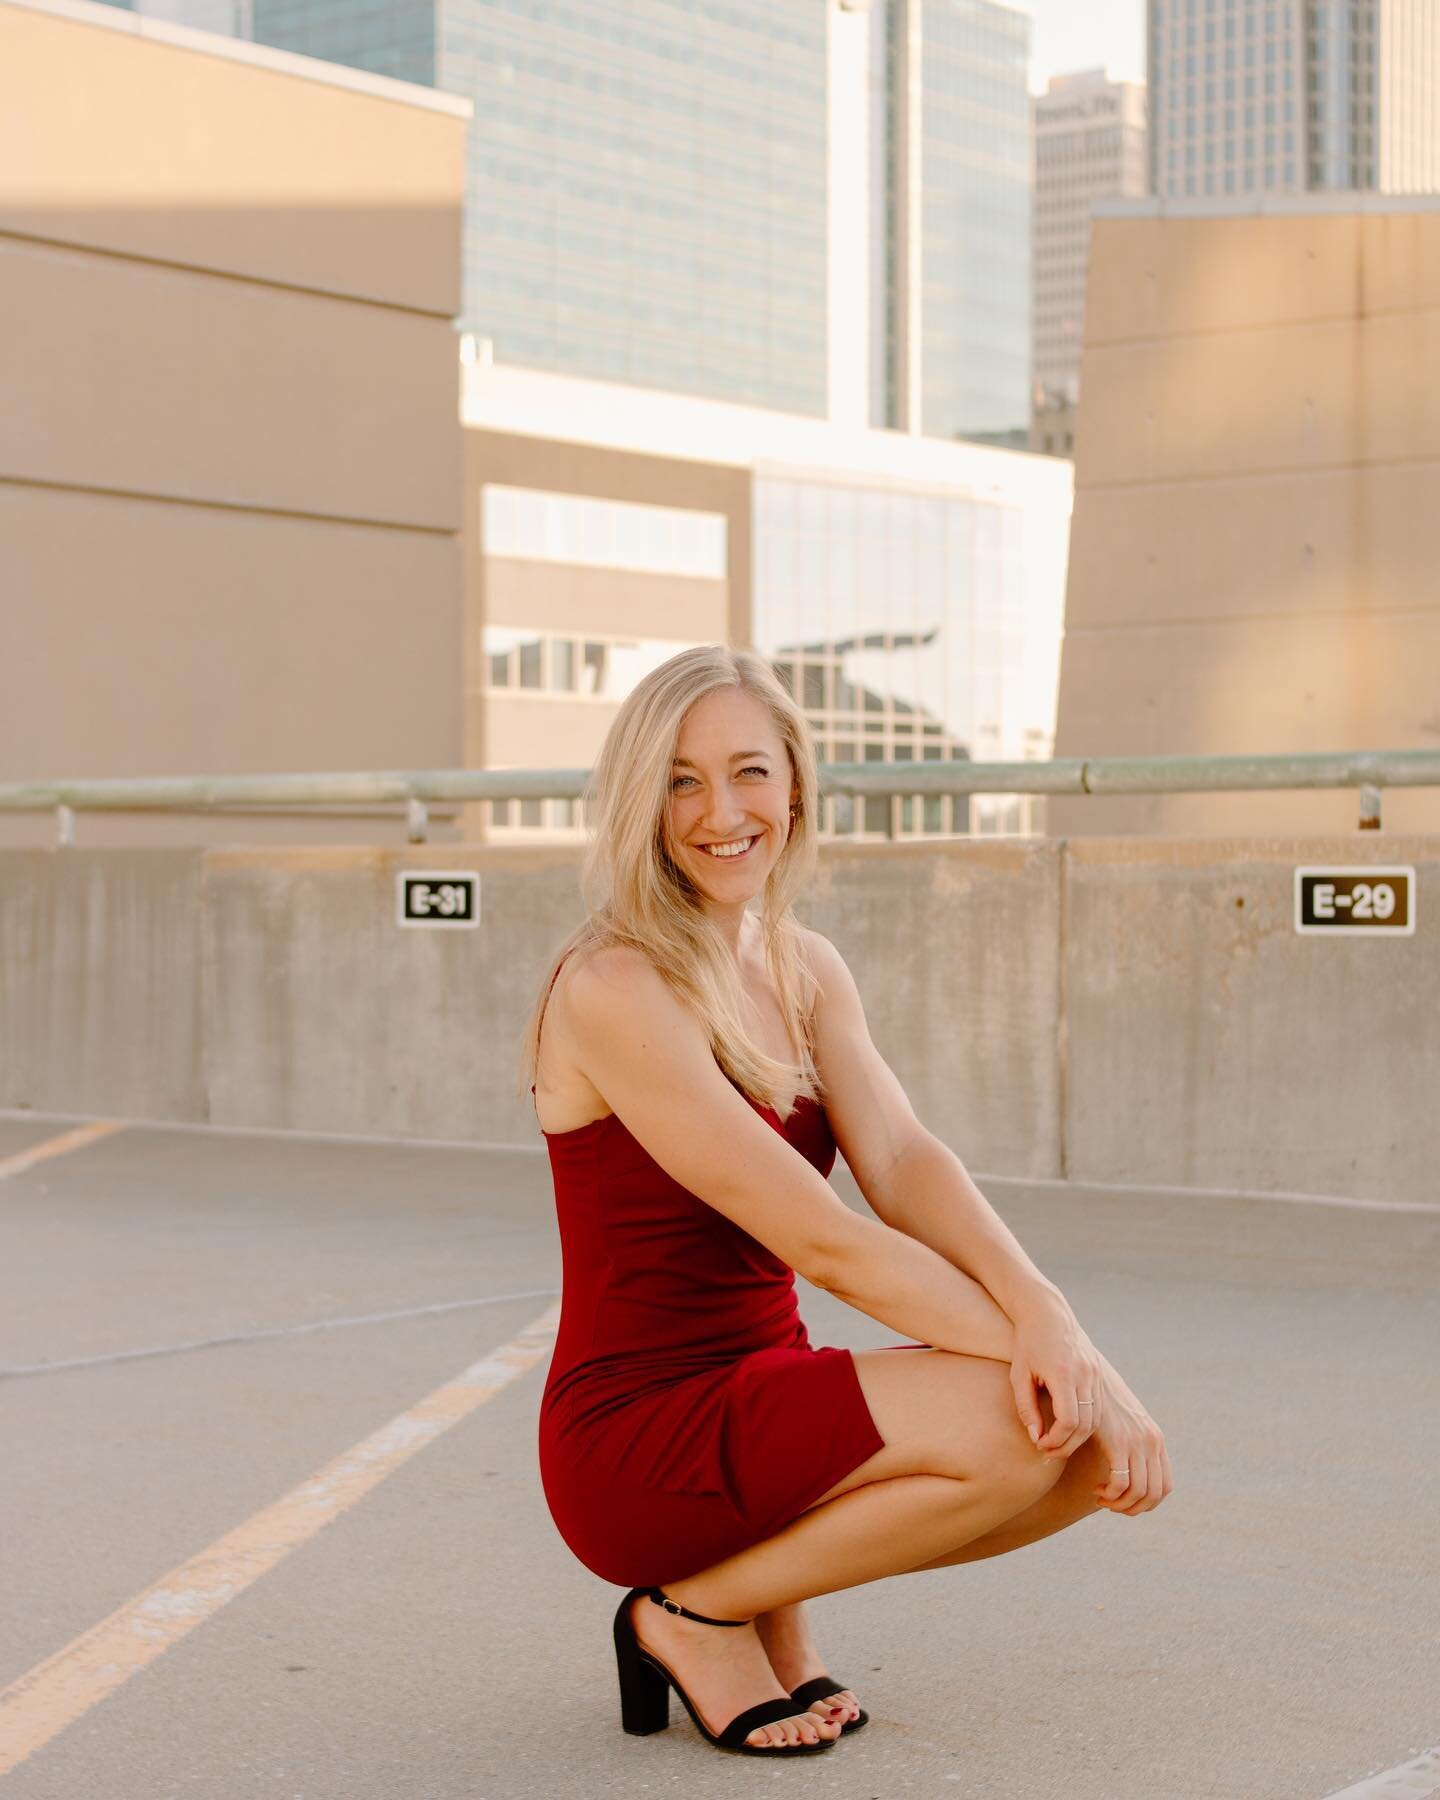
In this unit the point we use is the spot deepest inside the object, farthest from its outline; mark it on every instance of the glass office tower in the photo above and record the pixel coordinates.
(975, 243)
(647, 182)
(1294, 96)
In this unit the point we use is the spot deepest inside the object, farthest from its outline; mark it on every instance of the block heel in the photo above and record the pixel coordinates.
(645, 1685)
(644, 1692)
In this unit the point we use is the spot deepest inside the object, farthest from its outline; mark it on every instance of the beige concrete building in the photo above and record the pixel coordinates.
(230, 462)
(1256, 535)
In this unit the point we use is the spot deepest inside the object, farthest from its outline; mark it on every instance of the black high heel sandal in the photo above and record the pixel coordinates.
(820, 1688)
(645, 1685)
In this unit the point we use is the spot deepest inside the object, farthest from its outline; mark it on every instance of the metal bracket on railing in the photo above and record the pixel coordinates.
(417, 818)
(65, 827)
(1369, 808)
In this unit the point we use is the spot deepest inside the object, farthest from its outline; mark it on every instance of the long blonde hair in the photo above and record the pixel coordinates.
(636, 895)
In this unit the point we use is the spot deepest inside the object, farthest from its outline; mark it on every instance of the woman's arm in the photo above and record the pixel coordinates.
(921, 1190)
(647, 1055)
(910, 1179)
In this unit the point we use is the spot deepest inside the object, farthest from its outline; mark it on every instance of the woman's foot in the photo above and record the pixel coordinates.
(785, 1633)
(723, 1672)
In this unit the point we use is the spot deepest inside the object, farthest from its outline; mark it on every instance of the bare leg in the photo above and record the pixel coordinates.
(1071, 1499)
(883, 1528)
(956, 1465)
(785, 1631)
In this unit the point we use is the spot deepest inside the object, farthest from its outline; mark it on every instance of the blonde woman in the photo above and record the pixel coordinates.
(700, 1062)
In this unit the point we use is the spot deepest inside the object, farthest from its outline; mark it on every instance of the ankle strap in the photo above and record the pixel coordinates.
(662, 1599)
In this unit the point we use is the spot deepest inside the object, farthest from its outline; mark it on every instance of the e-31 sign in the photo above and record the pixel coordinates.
(444, 897)
(1354, 900)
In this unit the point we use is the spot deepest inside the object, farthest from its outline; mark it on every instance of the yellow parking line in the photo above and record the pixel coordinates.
(59, 1146)
(41, 1703)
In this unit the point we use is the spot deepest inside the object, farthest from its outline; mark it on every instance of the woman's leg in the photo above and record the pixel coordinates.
(1071, 1499)
(956, 1465)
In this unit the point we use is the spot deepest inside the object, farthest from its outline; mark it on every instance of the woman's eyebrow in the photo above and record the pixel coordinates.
(684, 762)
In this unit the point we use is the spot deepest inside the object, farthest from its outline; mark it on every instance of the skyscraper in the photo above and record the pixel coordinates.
(957, 217)
(818, 206)
(1089, 146)
(1292, 96)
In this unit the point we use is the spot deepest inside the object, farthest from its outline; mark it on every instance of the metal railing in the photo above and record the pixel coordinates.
(417, 789)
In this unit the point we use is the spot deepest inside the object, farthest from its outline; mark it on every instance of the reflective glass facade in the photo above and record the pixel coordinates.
(902, 620)
(899, 618)
(398, 38)
(646, 189)
(975, 220)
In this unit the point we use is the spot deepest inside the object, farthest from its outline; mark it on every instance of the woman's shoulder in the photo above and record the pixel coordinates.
(600, 984)
(819, 953)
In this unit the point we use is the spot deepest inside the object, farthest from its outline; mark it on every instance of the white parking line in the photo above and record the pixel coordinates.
(1414, 1780)
(56, 1692)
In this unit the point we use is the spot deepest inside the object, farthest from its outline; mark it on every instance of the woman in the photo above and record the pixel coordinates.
(700, 1064)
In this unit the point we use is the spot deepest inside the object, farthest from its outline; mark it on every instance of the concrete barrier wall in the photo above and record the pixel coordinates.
(1103, 1009)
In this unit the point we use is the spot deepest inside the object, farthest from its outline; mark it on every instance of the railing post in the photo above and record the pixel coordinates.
(65, 827)
(417, 816)
(1369, 808)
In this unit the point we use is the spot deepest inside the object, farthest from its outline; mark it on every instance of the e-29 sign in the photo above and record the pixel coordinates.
(1355, 900)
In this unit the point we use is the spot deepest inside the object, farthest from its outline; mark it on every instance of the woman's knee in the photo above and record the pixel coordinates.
(945, 1413)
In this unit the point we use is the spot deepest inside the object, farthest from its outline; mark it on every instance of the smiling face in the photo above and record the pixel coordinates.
(731, 790)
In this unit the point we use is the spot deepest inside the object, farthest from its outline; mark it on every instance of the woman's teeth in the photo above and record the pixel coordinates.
(737, 848)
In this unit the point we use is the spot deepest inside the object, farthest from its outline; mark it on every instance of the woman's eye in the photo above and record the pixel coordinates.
(754, 769)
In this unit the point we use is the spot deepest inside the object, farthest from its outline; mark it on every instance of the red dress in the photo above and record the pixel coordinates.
(686, 1414)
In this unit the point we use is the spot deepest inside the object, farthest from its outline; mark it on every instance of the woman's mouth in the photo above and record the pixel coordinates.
(736, 850)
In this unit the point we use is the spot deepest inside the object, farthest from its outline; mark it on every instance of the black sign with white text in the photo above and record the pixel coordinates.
(437, 897)
(1355, 900)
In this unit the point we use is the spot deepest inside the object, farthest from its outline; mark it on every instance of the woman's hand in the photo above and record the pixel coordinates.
(1053, 1352)
(1131, 1440)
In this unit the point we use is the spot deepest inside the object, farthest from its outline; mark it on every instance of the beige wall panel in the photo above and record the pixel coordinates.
(616, 602)
(195, 158)
(544, 732)
(1249, 687)
(1202, 815)
(1208, 1037)
(152, 639)
(1402, 533)
(1400, 375)
(1237, 401)
(1336, 540)
(102, 982)
(130, 376)
(1149, 277)
(554, 466)
(1402, 260)
(1149, 553)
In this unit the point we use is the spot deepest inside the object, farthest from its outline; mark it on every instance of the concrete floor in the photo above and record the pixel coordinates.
(1270, 1633)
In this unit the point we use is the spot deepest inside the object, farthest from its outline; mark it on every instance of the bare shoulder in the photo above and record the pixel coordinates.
(647, 1055)
(602, 994)
(829, 967)
(616, 991)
